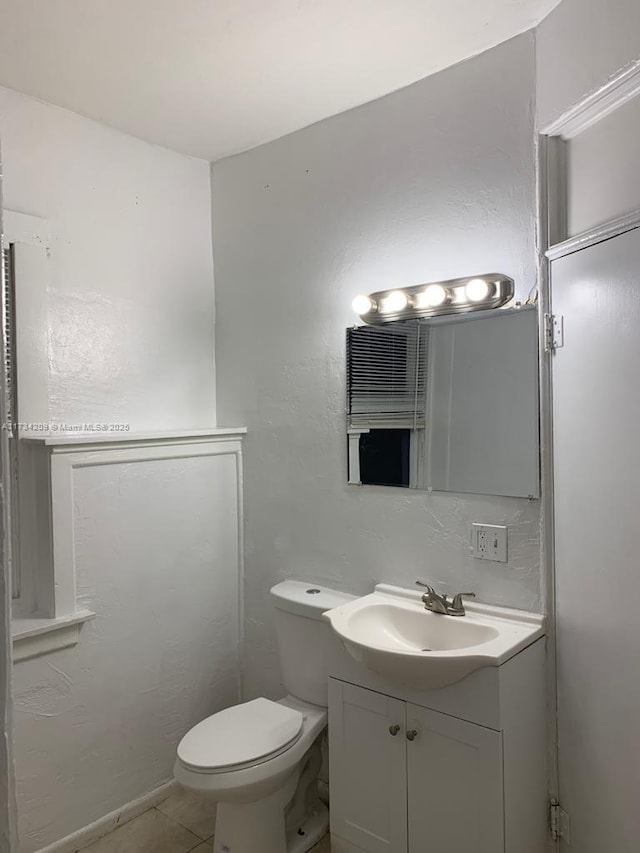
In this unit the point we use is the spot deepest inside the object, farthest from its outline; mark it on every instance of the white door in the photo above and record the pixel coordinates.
(454, 782)
(367, 750)
(596, 411)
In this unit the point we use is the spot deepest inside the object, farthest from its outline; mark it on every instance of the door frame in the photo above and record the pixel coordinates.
(552, 242)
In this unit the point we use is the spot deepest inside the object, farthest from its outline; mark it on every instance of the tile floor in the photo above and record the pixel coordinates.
(183, 823)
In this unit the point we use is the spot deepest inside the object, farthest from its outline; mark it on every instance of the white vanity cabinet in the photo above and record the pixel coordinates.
(368, 766)
(404, 778)
(460, 769)
(454, 784)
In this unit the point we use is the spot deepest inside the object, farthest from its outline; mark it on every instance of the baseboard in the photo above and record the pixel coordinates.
(88, 834)
(339, 845)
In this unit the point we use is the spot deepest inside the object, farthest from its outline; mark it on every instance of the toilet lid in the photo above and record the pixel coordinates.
(243, 734)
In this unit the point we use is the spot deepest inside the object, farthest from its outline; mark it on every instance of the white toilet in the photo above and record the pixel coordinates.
(260, 760)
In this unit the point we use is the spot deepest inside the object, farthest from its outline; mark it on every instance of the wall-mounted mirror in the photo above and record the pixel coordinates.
(447, 403)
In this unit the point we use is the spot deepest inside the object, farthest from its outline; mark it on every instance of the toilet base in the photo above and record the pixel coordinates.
(249, 827)
(260, 826)
(314, 827)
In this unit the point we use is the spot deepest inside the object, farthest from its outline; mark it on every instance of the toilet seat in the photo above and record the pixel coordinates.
(241, 736)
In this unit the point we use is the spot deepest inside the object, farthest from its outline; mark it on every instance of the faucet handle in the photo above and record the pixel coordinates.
(432, 600)
(457, 599)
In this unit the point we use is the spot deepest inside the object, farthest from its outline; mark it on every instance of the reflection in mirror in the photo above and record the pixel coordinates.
(448, 403)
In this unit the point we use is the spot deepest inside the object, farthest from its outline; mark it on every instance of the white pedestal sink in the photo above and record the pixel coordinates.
(392, 633)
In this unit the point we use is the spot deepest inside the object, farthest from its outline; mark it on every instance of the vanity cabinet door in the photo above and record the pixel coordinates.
(367, 760)
(454, 785)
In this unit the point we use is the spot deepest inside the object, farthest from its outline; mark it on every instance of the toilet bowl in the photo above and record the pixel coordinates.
(259, 760)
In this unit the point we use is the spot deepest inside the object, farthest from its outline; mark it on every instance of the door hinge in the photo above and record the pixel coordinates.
(553, 332)
(558, 822)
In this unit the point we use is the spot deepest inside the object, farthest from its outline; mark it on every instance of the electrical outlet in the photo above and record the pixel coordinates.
(489, 542)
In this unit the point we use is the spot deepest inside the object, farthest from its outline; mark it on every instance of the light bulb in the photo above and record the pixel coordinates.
(363, 304)
(478, 289)
(433, 296)
(396, 301)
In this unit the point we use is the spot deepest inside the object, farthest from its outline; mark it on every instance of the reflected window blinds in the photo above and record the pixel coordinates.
(386, 376)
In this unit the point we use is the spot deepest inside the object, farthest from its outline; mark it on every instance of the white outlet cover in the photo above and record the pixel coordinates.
(489, 542)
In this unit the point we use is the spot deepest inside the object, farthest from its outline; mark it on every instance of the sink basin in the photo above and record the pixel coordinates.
(391, 633)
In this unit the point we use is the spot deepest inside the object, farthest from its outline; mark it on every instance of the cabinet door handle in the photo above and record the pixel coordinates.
(412, 734)
(393, 730)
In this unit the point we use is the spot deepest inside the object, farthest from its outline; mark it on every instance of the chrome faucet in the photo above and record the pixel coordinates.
(444, 604)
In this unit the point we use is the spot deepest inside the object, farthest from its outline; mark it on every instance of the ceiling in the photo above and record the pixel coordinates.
(213, 77)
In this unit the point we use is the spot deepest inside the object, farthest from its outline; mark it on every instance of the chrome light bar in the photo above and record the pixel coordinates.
(456, 296)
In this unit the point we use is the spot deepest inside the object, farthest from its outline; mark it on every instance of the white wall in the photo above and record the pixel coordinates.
(7, 798)
(130, 340)
(97, 726)
(579, 46)
(7, 793)
(434, 181)
(6, 769)
(131, 296)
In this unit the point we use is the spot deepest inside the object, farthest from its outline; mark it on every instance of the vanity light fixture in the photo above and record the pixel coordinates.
(364, 305)
(457, 296)
(432, 296)
(478, 289)
(396, 301)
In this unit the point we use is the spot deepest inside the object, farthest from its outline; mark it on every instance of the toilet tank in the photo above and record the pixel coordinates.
(304, 636)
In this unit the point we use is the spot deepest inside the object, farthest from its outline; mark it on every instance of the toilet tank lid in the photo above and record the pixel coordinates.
(306, 598)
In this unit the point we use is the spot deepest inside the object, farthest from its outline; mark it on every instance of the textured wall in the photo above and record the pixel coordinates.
(96, 726)
(7, 799)
(7, 794)
(579, 46)
(436, 180)
(130, 340)
(131, 297)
